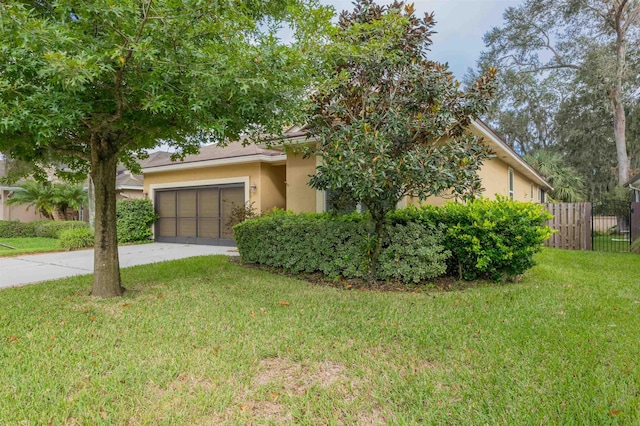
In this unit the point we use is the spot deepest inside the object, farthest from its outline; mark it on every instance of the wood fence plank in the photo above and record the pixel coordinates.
(572, 221)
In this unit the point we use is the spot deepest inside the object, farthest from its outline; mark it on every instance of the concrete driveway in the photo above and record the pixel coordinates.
(33, 268)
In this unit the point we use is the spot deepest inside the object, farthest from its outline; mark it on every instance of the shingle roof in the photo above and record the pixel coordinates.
(129, 180)
(155, 158)
(211, 152)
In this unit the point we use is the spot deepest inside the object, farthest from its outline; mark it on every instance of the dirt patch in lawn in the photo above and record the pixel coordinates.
(297, 378)
(280, 382)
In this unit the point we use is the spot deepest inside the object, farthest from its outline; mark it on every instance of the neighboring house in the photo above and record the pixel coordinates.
(634, 186)
(194, 197)
(128, 186)
(15, 212)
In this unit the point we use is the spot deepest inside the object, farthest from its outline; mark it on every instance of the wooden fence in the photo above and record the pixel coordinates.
(572, 223)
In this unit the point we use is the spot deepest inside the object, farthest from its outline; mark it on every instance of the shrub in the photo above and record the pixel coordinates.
(52, 229)
(414, 252)
(635, 246)
(134, 220)
(487, 239)
(15, 229)
(304, 243)
(240, 212)
(480, 239)
(336, 246)
(76, 238)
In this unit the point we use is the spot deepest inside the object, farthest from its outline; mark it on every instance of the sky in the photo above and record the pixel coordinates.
(460, 25)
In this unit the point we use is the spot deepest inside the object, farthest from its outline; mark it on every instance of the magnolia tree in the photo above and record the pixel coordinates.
(389, 122)
(91, 83)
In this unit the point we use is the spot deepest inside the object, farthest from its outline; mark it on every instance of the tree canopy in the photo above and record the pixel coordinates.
(98, 82)
(389, 122)
(567, 67)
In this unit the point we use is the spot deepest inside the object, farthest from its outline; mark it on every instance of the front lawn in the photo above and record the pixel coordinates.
(28, 245)
(205, 341)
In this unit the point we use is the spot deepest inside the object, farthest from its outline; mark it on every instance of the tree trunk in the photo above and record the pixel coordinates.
(619, 125)
(617, 105)
(106, 268)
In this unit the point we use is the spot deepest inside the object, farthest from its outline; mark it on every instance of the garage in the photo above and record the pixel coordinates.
(197, 215)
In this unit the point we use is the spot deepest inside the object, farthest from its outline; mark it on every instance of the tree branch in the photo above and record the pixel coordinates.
(120, 74)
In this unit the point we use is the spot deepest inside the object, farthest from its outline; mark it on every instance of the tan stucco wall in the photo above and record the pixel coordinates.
(20, 213)
(268, 181)
(272, 186)
(495, 180)
(300, 196)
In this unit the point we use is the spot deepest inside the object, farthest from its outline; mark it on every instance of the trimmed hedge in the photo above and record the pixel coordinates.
(480, 239)
(53, 228)
(490, 239)
(15, 229)
(336, 246)
(75, 239)
(39, 228)
(134, 219)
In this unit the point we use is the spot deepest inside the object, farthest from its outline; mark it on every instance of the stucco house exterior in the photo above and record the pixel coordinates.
(194, 196)
(14, 212)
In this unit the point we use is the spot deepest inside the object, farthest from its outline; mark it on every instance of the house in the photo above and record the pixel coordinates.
(195, 197)
(634, 186)
(130, 185)
(14, 212)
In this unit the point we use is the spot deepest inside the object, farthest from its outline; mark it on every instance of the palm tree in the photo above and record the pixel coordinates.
(36, 194)
(567, 185)
(50, 199)
(68, 197)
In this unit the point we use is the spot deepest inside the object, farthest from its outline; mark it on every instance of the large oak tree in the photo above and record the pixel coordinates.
(90, 83)
(574, 45)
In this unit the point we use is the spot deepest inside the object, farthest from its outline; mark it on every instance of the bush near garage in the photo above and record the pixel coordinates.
(480, 239)
(134, 220)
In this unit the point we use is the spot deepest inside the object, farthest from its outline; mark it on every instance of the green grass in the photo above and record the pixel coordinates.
(28, 245)
(205, 341)
(611, 243)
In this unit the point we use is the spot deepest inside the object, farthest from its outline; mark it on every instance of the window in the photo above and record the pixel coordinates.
(511, 184)
(531, 192)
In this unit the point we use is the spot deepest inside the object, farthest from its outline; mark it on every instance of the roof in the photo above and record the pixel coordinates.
(503, 151)
(633, 181)
(155, 158)
(214, 154)
(128, 181)
(236, 152)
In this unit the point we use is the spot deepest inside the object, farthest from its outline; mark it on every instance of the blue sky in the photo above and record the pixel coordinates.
(460, 27)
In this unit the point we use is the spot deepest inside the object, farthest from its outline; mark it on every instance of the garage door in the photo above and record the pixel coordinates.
(197, 215)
